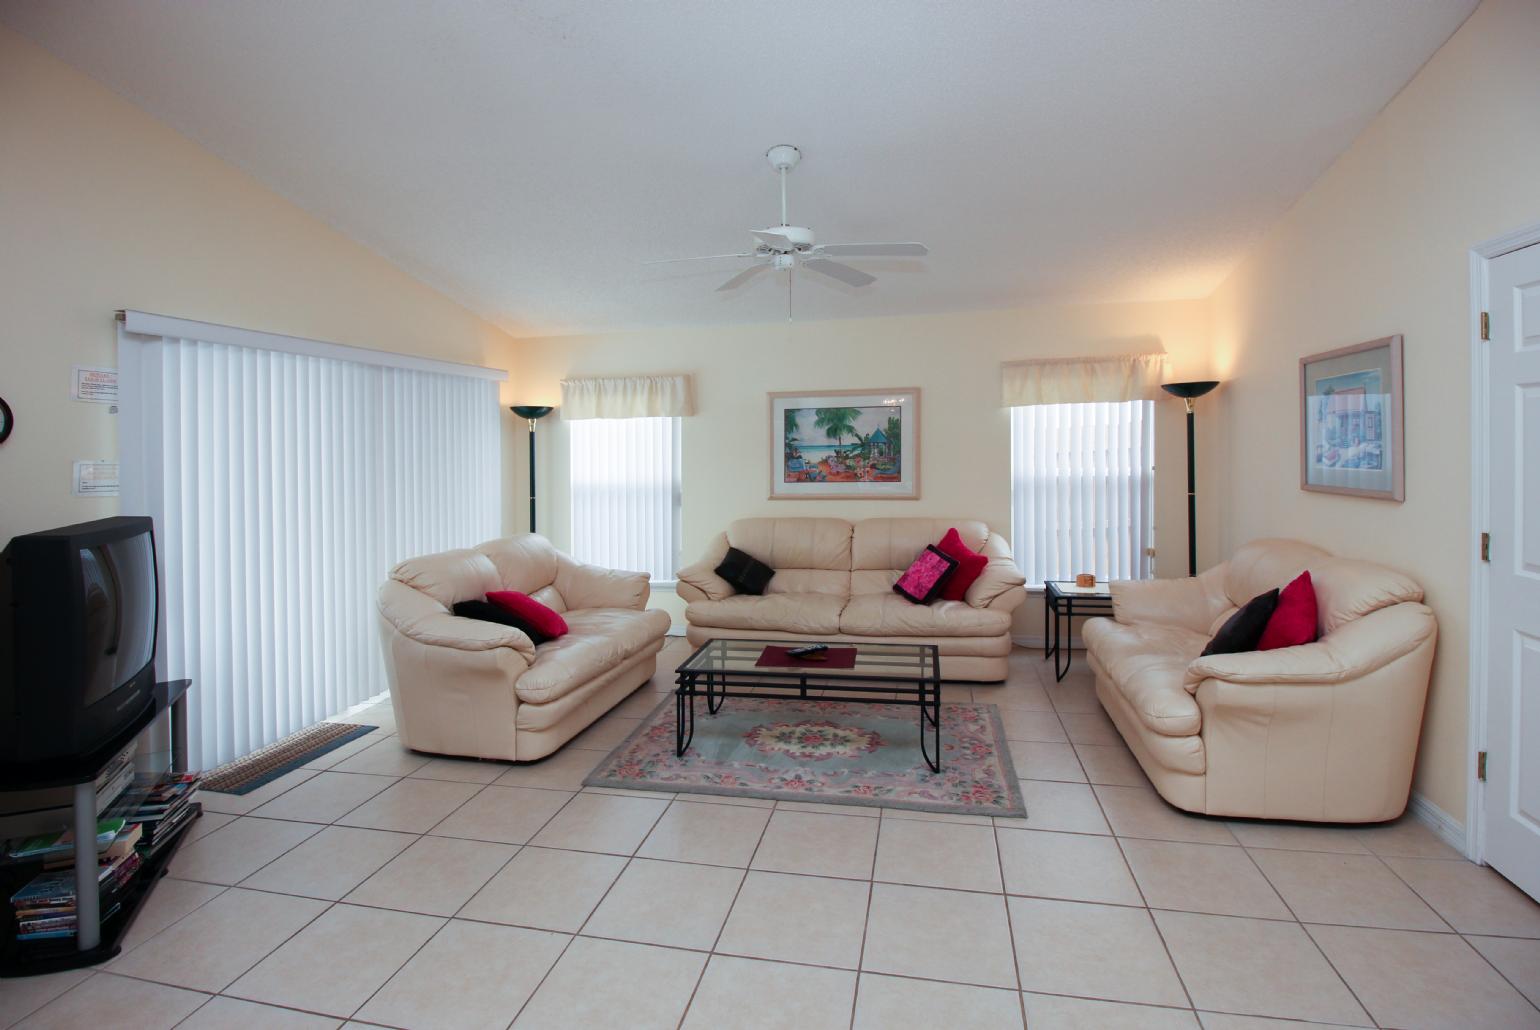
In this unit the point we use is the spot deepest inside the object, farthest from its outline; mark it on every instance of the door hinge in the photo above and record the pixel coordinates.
(1486, 547)
(1486, 326)
(1481, 766)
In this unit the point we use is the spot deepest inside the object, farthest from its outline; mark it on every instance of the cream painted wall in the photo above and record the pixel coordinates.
(103, 207)
(1379, 246)
(954, 359)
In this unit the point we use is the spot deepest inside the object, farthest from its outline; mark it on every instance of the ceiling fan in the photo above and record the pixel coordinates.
(786, 247)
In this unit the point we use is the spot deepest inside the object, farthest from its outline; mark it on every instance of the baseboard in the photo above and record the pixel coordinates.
(1449, 829)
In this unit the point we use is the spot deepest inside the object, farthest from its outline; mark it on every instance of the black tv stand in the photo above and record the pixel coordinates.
(96, 939)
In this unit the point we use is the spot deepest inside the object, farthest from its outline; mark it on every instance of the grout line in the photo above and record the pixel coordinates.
(1317, 944)
(1010, 926)
(1148, 912)
(726, 916)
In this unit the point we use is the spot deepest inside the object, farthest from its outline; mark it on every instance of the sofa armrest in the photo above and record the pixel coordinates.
(419, 617)
(1354, 650)
(699, 582)
(1192, 603)
(592, 586)
(1001, 585)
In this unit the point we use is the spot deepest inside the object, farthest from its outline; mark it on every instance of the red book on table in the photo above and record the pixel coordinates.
(833, 658)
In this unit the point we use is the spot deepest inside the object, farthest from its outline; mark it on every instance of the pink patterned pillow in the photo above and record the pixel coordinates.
(922, 581)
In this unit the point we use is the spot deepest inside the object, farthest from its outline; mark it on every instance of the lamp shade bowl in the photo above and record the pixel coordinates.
(1187, 391)
(531, 410)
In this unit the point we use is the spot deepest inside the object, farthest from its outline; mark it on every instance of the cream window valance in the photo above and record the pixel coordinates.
(1127, 377)
(627, 397)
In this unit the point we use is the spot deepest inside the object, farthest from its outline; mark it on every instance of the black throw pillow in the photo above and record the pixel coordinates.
(746, 573)
(1243, 630)
(486, 611)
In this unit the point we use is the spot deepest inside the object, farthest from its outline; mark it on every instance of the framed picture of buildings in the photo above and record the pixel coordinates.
(1351, 419)
(845, 443)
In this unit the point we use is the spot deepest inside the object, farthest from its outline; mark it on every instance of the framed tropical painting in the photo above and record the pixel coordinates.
(845, 443)
(1351, 418)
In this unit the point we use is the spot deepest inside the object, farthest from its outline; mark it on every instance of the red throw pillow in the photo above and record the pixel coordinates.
(970, 566)
(546, 621)
(1293, 621)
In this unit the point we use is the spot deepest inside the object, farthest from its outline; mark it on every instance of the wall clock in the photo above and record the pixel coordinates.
(7, 420)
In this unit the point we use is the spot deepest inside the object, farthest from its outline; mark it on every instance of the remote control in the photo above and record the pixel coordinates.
(807, 652)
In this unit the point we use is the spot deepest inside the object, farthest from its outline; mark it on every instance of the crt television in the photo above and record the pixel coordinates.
(78, 610)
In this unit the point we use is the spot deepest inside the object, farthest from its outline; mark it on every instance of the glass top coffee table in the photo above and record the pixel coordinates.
(886, 674)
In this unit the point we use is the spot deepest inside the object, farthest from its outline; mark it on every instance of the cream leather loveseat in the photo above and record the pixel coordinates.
(1325, 731)
(834, 582)
(467, 687)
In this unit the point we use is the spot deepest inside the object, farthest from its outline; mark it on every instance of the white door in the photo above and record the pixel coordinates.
(1512, 796)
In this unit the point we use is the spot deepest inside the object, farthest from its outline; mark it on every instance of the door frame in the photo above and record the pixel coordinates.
(1475, 796)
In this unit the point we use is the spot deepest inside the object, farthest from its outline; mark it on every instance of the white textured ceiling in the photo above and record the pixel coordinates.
(526, 157)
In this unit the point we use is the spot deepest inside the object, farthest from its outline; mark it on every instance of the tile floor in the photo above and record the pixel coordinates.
(379, 887)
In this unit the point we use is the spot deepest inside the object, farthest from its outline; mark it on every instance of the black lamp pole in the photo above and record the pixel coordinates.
(533, 412)
(1188, 391)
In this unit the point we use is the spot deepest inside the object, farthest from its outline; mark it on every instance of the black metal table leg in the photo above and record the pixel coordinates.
(932, 716)
(684, 715)
(1069, 629)
(713, 703)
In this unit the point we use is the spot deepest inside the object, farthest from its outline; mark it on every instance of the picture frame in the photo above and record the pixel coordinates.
(845, 444)
(1352, 421)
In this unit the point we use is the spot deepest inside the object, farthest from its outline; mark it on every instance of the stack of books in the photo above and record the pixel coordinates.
(161, 806)
(45, 907)
(114, 779)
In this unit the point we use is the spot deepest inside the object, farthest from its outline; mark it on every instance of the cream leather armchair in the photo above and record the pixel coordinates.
(1324, 732)
(834, 583)
(480, 689)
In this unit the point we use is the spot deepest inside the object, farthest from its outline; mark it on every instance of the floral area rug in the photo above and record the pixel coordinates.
(827, 751)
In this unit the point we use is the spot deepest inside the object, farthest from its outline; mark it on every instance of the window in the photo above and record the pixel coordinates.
(1082, 490)
(625, 494)
(286, 478)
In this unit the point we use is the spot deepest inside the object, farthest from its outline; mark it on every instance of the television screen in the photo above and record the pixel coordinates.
(118, 595)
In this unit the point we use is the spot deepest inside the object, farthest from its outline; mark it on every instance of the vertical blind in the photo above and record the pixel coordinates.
(626, 494)
(1083, 489)
(283, 487)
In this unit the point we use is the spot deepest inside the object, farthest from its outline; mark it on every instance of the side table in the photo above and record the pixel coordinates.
(1064, 601)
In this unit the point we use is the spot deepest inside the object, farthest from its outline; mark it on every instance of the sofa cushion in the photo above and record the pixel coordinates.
(545, 623)
(1348, 589)
(746, 573)
(921, 582)
(525, 562)
(1242, 630)
(1295, 619)
(1147, 663)
(1262, 565)
(970, 566)
(894, 543)
(449, 576)
(598, 639)
(882, 615)
(809, 614)
(795, 543)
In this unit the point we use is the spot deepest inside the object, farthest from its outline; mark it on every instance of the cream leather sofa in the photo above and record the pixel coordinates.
(468, 687)
(1325, 731)
(834, 582)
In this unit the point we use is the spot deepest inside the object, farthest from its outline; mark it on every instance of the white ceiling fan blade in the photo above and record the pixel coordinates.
(743, 277)
(773, 239)
(835, 270)
(703, 257)
(875, 249)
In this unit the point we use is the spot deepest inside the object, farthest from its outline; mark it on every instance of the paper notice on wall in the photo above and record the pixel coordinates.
(98, 385)
(96, 479)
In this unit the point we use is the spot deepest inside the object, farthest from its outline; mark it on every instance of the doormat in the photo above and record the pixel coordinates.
(262, 766)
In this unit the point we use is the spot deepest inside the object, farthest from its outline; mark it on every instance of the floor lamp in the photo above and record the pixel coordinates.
(1188, 391)
(535, 412)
